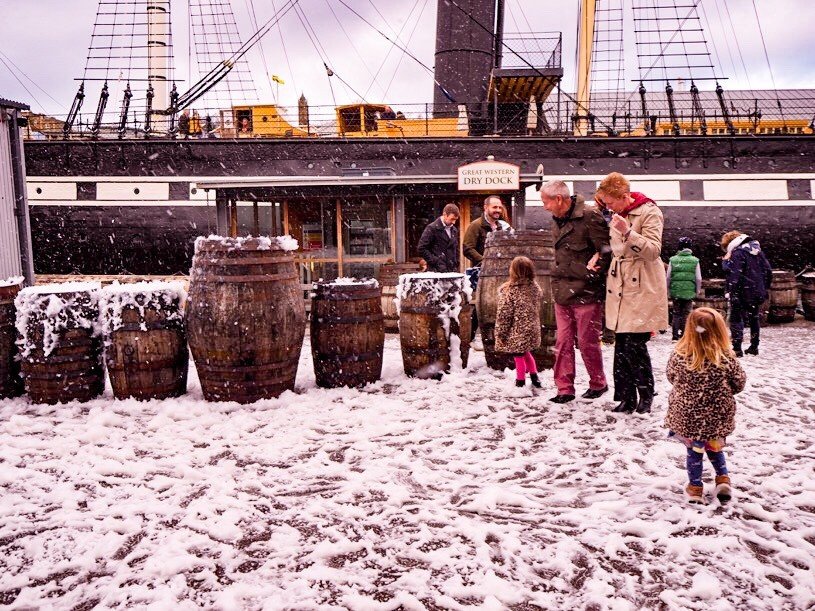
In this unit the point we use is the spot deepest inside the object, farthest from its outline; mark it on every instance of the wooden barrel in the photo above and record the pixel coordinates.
(501, 248)
(245, 317)
(713, 287)
(389, 281)
(347, 333)
(60, 346)
(145, 342)
(11, 384)
(436, 317)
(783, 297)
(808, 295)
(718, 303)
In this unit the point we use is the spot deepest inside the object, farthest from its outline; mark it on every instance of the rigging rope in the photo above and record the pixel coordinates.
(32, 81)
(401, 57)
(350, 41)
(769, 67)
(285, 52)
(738, 46)
(391, 48)
(254, 21)
(324, 56)
(28, 91)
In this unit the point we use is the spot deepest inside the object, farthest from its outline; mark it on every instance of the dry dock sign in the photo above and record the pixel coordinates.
(489, 175)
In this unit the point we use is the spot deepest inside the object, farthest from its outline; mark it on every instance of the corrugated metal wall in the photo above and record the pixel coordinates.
(10, 264)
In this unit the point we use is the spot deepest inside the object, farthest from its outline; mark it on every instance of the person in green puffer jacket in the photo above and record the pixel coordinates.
(684, 284)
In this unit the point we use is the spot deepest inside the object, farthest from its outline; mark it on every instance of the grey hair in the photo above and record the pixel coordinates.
(553, 188)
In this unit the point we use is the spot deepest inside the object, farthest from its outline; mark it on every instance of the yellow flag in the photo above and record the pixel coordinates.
(278, 80)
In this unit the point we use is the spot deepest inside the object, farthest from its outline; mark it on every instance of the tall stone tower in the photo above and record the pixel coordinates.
(302, 111)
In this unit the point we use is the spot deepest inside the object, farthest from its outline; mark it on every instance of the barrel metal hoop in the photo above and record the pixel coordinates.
(333, 320)
(344, 358)
(233, 367)
(203, 279)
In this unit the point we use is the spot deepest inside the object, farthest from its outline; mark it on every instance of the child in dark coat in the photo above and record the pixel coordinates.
(705, 374)
(517, 324)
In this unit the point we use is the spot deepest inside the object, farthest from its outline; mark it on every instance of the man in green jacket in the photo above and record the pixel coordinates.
(684, 284)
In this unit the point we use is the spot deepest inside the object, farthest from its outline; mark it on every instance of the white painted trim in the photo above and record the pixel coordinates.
(127, 204)
(203, 204)
(452, 177)
(51, 190)
(147, 191)
(786, 203)
(761, 190)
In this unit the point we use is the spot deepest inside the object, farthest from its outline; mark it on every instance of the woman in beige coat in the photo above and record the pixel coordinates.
(636, 292)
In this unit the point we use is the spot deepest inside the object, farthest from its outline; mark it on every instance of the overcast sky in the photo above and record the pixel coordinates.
(47, 40)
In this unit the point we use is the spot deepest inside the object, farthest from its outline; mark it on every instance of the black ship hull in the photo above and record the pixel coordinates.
(92, 230)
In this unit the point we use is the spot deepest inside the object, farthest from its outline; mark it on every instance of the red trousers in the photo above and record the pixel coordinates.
(585, 323)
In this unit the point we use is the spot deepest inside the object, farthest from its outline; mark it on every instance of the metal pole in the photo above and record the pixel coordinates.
(21, 201)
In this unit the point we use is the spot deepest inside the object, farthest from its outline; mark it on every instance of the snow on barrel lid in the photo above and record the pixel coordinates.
(14, 280)
(345, 281)
(64, 287)
(155, 286)
(284, 242)
(433, 276)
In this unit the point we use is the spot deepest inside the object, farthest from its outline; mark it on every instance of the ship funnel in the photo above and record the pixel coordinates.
(465, 43)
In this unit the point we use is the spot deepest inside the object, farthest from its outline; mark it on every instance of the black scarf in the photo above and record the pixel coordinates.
(560, 221)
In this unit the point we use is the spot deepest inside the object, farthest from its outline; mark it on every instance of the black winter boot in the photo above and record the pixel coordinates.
(536, 382)
(753, 349)
(646, 400)
(624, 407)
(520, 383)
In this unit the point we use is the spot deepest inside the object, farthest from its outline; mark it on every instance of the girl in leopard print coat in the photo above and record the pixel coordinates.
(705, 375)
(517, 322)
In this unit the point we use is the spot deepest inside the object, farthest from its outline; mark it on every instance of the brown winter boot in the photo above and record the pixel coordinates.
(695, 494)
(723, 490)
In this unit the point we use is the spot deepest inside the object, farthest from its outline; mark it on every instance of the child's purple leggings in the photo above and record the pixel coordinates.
(524, 364)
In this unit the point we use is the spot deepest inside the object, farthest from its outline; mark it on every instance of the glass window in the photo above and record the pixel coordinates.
(361, 270)
(316, 271)
(314, 225)
(366, 227)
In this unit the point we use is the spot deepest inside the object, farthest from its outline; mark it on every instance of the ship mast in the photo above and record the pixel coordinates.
(158, 42)
(585, 41)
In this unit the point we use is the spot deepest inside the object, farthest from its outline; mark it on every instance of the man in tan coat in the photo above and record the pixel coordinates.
(636, 290)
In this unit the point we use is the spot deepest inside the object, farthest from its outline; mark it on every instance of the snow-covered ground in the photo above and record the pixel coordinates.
(408, 494)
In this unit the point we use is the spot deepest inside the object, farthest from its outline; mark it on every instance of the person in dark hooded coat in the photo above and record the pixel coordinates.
(748, 276)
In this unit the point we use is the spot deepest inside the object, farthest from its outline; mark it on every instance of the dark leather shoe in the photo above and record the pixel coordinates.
(536, 382)
(593, 394)
(562, 399)
(624, 407)
(752, 350)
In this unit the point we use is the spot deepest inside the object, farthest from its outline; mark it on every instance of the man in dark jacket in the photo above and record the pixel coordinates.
(439, 242)
(582, 257)
(748, 276)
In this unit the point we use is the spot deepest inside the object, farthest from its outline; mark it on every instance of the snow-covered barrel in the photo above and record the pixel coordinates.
(808, 295)
(389, 281)
(11, 384)
(347, 332)
(783, 296)
(501, 248)
(435, 322)
(145, 343)
(245, 317)
(60, 341)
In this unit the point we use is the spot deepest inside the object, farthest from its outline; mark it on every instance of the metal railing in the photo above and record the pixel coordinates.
(556, 117)
(531, 50)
